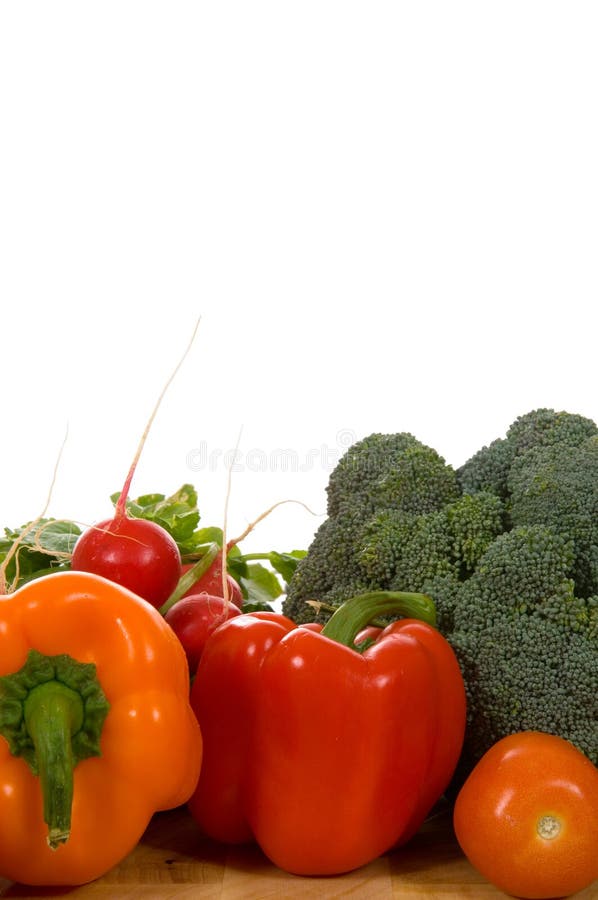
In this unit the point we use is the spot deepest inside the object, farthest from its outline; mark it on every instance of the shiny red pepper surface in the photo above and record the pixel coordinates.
(326, 756)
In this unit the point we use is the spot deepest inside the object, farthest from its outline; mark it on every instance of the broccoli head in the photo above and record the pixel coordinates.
(506, 545)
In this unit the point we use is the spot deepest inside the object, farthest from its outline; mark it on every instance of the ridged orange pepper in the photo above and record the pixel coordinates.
(96, 730)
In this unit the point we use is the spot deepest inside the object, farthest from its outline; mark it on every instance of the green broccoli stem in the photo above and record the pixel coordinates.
(191, 576)
(349, 619)
(53, 713)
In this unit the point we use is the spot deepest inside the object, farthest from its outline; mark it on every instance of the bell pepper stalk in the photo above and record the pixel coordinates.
(96, 729)
(51, 714)
(326, 756)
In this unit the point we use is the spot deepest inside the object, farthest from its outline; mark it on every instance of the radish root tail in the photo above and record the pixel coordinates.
(121, 506)
(4, 587)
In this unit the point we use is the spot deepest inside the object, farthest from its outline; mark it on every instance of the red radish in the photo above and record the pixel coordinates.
(214, 578)
(136, 553)
(194, 618)
(211, 583)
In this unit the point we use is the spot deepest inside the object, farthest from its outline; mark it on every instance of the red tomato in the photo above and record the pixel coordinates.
(211, 583)
(527, 816)
(194, 618)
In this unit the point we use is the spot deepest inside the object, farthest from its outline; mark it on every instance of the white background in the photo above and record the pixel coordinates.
(386, 215)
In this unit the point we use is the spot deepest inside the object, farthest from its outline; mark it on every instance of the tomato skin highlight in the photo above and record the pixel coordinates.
(193, 618)
(527, 817)
(135, 553)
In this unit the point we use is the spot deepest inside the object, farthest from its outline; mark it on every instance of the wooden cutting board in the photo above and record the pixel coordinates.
(174, 861)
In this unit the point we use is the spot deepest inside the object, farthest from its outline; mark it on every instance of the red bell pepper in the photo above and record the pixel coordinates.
(325, 755)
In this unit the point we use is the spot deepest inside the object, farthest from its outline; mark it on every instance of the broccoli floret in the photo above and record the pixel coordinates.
(332, 572)
(519, 570)
(528, 673)
(446, 591)
(526, 643)
(391, 470)
(401, 548)
(557, 485)
(576, 614)
(378, 482)
(489, 468)
(473, 521)
(542, 427)
(527, 646)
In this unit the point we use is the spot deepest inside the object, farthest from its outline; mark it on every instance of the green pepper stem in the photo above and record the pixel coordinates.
(53, 713)
(348, 620)
(191, 576)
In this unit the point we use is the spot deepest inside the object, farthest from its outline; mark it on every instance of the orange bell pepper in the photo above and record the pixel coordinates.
(96, 730)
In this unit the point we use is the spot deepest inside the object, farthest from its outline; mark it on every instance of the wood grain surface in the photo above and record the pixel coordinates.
(173, 860)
